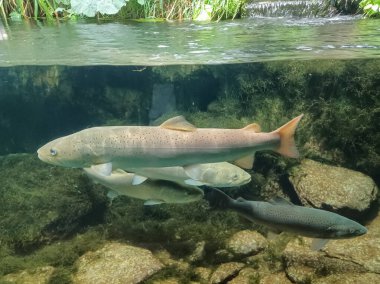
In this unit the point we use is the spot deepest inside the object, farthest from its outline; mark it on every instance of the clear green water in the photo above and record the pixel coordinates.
(147, 44)
(58, 79)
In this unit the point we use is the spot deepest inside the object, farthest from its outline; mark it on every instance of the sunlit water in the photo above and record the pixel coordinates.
(239, 41)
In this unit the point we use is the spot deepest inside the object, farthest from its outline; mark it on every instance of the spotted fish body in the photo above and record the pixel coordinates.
(281, 215)
(174, 143)
(221, 174)
(155, 192)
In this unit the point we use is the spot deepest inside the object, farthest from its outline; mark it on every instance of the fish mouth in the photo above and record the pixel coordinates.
(362, 231)
(43, 155)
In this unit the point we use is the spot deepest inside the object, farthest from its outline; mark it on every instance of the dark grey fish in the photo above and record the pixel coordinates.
(281, 215)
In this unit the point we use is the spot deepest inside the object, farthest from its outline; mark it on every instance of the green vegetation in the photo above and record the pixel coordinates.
(200, 10)
(371, 8)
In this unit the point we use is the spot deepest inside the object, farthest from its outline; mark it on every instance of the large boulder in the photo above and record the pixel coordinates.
(40, 202)
(116, 263)
(338, 188)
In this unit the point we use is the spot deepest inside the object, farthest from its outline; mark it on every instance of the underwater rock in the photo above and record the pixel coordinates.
(168, 261)
(40, 275)
(203, 273)
(246, 276)
(353, 256)
(199, 252)
(116, 263)
(304, 265)
(319, 185)
(226, 271)
(275, 278)
(245, 243)
(363, 278)
(40, 203)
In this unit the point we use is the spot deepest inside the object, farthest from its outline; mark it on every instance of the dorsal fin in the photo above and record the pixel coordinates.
(279, 200)
(241, 199)
(253, 127)
(178, 123)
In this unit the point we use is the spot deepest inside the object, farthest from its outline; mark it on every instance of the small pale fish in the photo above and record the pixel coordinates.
(176, 142)
(281, 215)
(221, 174)
(155, 192)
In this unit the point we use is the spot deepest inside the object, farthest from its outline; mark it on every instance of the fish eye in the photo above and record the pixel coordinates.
(235, 177)
(53, 152)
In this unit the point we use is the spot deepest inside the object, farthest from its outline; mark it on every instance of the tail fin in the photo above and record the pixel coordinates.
(287, 144)
(216, 198)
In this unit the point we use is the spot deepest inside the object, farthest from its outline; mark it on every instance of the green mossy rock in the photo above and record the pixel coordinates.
(40, 203)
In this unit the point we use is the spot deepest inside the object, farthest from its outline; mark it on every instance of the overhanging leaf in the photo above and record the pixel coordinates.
(89, 8)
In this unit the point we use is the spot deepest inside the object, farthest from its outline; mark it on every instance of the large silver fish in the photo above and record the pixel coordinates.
(153, 192)
(174, 143)
(281, 215)
(221, 174)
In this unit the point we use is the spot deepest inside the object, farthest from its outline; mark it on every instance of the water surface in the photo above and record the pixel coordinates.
(149, 44)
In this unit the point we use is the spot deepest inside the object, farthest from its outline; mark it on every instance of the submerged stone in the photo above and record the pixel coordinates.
(203, 273)
(116, 263)
(275, 278)
(362, 278)
(246, 276)
(40, 275)
(226, 271)
(40, 203)
(245, 243)
(319, 185)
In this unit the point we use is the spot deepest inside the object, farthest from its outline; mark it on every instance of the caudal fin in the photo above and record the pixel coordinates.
(287, 145)
(216, 198)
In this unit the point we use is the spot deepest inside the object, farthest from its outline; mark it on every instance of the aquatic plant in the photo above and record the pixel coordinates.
(148, 9)
(217, 9)
(18, 9)
(371, 8)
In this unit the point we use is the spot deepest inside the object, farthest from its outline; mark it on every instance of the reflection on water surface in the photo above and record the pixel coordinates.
(249, 40)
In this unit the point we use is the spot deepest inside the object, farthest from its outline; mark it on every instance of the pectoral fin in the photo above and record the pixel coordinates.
(245, 162)
(318, 244)
(102, 169)
(273, 235)
(153, 202)
(178, 123)
(136, 180)
(193, 171)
